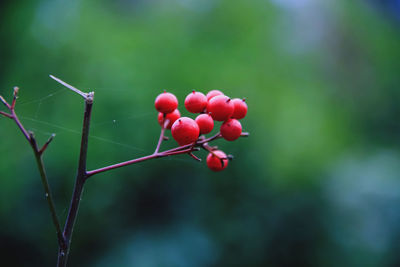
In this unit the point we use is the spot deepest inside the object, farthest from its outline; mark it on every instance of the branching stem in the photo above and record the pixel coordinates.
(29, 136)
(64, 237)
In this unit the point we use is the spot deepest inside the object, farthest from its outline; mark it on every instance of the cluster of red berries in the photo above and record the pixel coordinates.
(215, 106)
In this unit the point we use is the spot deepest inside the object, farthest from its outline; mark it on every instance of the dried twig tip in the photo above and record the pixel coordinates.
(16, 89)
(4, 101)
(15, 96)
(47, 143)
(88, 97)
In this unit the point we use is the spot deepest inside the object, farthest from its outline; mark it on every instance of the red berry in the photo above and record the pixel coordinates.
(213, 93)
(166, 102)
(185, 131)
(240, 108)
(217, 161)
(205, 122)
(196, 102)
(220, 107)
(231, 129)
(172, 117)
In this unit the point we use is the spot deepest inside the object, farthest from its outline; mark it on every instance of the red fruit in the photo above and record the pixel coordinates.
(240, 108)
(217, 161)
(213, 93)
(172, 117)
(231, 129)
(166, 102)
(185, 131)
(205, 122)
(220, 107)
(196, 102)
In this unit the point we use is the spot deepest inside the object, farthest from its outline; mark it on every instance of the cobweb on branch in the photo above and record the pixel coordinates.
(60, 129)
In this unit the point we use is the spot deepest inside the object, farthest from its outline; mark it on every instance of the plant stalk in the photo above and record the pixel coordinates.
(79, 183)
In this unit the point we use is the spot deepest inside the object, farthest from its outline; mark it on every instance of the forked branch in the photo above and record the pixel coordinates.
(39, 161)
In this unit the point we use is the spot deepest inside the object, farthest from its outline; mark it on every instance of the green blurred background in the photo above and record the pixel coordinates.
(316, 184)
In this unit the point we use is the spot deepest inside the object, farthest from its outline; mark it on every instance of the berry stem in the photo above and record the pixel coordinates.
(194, 156)
(174, 151)
(163, 127)
(182, 150)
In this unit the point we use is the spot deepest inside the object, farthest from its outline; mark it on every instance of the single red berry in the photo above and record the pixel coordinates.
(205, 122)
(231, 129)
(172, 117)
(196, 102)
(240, 108)
(217, 161)
(166, 102)
(213, 93)
(220, 107)
(185, 131)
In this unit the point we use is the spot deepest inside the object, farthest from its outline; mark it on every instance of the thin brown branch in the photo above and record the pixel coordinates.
(184, 151)
(79, 184)
(38, 156)
(15, 96)
(5, 102)
(79, 92)
(174, 151)
(5, 114)
(19, 124)
(44, 147)
(194, 156)
(45, 182)
(209, 148)
(137, 160)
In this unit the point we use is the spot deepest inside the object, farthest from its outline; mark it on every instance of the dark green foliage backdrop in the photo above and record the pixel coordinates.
(316, 184)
